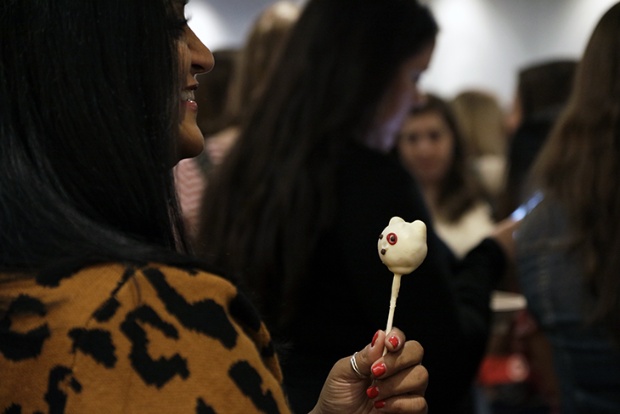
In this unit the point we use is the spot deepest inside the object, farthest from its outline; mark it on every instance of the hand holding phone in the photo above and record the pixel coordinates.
(525, 208)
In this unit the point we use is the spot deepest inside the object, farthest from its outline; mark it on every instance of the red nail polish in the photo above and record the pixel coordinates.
(372, 392)
(378, 370)
(374, 339)
(379, 404)
(394, 341)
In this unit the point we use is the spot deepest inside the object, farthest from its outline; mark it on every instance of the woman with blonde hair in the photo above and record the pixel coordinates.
(482, 121)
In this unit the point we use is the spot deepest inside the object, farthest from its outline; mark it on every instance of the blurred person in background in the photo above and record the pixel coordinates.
(568, 261)
(430, 146)
(482, 121)
(238, 80)
(261, 49)
(542, 92)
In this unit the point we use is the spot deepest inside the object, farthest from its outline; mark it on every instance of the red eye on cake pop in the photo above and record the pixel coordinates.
(392, 238)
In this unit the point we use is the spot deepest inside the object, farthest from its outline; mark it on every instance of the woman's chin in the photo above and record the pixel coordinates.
(191, 142)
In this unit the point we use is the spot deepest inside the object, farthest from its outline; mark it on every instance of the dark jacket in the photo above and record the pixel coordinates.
(444, 304)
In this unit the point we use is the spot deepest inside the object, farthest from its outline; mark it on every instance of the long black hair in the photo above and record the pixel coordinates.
(274, 195)
(88, 93)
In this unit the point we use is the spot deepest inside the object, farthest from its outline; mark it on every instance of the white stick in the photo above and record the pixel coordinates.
(395, 289)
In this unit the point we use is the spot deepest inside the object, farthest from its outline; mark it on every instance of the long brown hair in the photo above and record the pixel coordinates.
(263, 45)
(274, 196)
(580, 167)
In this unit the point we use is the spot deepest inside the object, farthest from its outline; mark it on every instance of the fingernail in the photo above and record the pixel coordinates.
(374, 339)
(378, 370)
(379, 404)
(372, 392)
(394, 341)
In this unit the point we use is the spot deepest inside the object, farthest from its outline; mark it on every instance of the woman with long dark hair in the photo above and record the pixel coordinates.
(296, 209)
(100, 309)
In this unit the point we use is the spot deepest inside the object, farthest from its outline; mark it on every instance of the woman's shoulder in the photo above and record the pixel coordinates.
(196, 299)
(373, 187)
(361, 157)
(363, 170)
(469, 230)
(190, 282)
(101, 281)
(97, 293)
(162, 331)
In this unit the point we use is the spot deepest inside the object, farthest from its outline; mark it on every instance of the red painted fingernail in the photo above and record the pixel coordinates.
(379, 404)
(374, 339)
(372, 392)
(378, 370)
(394, 341)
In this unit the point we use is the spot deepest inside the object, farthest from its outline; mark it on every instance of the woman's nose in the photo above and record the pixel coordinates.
(425, 146)
(202, 58)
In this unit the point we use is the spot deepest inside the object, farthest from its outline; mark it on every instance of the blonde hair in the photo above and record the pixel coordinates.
(482, 122)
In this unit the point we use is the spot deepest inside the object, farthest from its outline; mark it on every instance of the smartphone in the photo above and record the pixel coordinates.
(524, 209)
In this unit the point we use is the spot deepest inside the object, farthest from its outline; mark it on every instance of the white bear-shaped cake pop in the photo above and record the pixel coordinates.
(402, 248)
(402, 245)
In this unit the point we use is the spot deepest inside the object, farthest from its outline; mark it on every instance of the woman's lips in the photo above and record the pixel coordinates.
(191, 105)
(187, 97)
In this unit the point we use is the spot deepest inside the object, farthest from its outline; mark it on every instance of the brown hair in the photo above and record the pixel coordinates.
(580, 166)
(262, 47)
(545, 87)
(274, 196)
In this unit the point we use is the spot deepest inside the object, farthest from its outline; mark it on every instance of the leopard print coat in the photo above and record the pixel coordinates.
(118, 338)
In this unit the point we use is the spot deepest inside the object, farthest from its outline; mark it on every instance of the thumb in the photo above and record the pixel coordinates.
(371, 353)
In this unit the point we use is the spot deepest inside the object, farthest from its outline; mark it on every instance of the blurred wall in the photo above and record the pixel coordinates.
(482, 43)
(224, 23)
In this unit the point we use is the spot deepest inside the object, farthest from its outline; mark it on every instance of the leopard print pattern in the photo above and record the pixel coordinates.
(134, 339)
